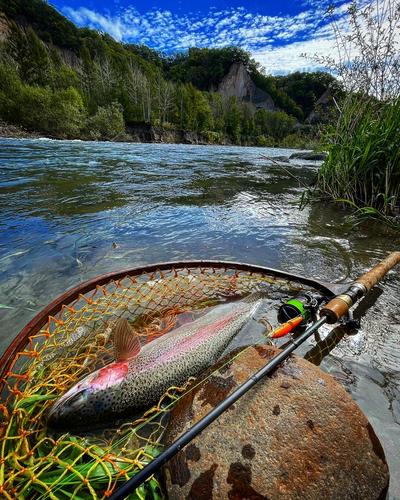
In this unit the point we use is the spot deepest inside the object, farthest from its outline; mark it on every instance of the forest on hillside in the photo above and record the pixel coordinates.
(75, 82)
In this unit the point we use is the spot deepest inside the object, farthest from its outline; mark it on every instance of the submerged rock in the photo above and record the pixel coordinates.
(296, 435)
(284, 159)
(308, 155)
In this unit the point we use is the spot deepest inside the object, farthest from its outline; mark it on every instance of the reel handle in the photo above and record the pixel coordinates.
(340, 305)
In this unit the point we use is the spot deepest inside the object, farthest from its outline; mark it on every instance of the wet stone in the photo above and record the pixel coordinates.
(296, 435)
(308, 155)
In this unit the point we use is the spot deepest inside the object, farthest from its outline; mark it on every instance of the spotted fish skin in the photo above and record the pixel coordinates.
(128, 386)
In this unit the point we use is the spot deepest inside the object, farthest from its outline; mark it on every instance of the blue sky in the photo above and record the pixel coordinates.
(275, 32)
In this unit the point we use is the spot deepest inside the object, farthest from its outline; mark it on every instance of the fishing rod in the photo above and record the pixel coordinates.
(330, 313)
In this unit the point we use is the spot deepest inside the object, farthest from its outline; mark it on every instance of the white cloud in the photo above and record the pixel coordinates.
(287, 59)
(116, 27)
(275, 41)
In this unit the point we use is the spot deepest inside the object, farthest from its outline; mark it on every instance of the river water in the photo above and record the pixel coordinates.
(71, 211)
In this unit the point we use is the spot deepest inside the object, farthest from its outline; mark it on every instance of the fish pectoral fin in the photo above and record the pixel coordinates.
(126, 342)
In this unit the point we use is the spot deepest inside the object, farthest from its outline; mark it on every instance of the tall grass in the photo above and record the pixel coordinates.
(363, 163)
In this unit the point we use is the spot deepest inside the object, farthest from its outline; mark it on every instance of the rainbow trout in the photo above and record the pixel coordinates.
(139, 376)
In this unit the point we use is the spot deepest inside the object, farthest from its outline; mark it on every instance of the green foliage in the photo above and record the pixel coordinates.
(205, 68)
(67, 112)
(233, 118)
(29, 54)
(38, 60)
(214, 137)
(306, 88)
(10, 87)
(51, 24)
(155, 56)
(363, 165)
(107, 124)
(298, 141)
(34, 106)
(265, 141)
(64, 78)
(39, 108)
(204, 117)
(275, 124)
(362, 214)
(101, 80)
(281, 99)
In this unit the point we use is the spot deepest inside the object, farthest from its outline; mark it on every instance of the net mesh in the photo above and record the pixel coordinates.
(35, 463)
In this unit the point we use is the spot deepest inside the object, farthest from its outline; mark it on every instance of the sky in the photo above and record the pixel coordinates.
(276, 32)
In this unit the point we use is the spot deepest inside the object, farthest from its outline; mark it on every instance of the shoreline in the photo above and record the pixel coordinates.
(148, 134)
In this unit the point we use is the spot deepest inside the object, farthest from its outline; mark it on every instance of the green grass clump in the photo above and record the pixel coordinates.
(363, 163)
(362, 168)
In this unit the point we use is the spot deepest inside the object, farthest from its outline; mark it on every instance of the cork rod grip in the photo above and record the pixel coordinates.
(341, 304)
(378, 272)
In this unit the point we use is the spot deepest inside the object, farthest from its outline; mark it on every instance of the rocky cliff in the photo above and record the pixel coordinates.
(238, 82)
(322, 108)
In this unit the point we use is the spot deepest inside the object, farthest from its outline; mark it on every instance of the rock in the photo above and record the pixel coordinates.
(296, 435)
(284, 159)
(322, 108)
(238, 82)
(145, 132)
(308, 155)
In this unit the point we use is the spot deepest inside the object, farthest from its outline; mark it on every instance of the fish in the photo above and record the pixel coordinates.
(140, 375)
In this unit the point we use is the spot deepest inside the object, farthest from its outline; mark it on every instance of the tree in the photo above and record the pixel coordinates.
(39, 63)
(10, 90)
(274, 124)
(66, 113)
(204, 118)
(107, 123)
(164, 96)
(17, 47)
(234, 117)
(30, 55)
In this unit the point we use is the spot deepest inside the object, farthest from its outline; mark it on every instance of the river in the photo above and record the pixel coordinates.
(71, 211)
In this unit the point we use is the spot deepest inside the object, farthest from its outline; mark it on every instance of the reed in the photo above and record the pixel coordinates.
(363, 163)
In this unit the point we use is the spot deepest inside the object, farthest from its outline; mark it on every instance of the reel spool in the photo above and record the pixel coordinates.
(305, 304)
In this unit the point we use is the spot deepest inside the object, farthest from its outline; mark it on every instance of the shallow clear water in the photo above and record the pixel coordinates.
(71, 211)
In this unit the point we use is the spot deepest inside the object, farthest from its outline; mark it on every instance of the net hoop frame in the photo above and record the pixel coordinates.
(33, 327)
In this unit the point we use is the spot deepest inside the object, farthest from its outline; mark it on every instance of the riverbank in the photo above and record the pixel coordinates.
(15, 132)
(164, 134)
(142, 133)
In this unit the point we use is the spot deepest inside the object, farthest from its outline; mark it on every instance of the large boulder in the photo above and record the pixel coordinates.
(238, 82)
(296, 435)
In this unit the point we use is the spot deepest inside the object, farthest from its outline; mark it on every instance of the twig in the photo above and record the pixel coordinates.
(286, 170)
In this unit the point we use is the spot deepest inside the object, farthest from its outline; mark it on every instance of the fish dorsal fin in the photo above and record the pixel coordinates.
(126, 343)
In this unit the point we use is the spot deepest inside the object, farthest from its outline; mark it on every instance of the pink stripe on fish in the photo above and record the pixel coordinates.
(203, 334)
(110, 375)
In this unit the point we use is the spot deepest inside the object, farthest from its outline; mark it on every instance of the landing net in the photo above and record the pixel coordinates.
(36, 463)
